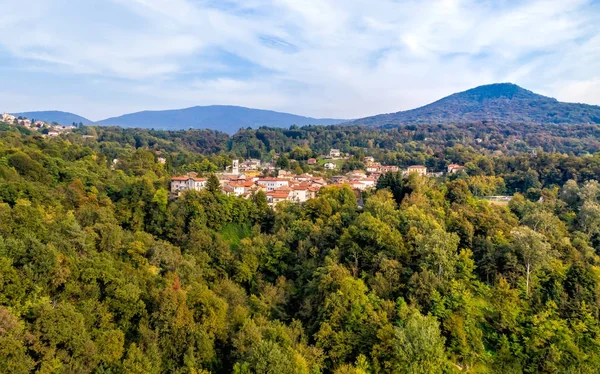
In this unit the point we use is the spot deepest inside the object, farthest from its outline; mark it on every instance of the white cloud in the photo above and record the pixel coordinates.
(316, 57)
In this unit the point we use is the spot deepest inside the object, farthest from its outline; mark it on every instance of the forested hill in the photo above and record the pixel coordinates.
(501, 102)
(102, 272)
(225, 118)
(63, 118)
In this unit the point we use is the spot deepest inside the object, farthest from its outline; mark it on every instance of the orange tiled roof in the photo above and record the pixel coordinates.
(278, 194)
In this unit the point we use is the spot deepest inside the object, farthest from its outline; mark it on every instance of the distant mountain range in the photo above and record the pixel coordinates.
(500, 102)
(63, 118)
(225, 118)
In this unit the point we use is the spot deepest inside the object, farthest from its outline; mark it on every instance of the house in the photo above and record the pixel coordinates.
(302, 178)
(454, 168)
(251, 164)
(8, 118)
(376, 167)
(285, 174)
(329, 165)
(373, 168)
(419, 169)
(301, 192)
(334, 153)
(356, 174)
(162, 160)
(318, 182)
(311, 161)
(236, 188)
(337, 179)
(388, 169)
(369, 182)
(187, 182)
(357, 185)
(278, 195)
(368, 159)
(272, 183)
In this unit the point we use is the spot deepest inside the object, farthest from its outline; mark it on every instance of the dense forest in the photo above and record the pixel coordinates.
(102, 272)
(503, 102)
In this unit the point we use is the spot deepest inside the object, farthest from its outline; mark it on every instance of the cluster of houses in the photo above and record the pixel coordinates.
(243, 179)
(53, 130)
(294, 188)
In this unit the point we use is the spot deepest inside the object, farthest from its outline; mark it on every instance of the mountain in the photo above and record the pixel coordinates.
(500, 102)
(63, 118)
(224, 118)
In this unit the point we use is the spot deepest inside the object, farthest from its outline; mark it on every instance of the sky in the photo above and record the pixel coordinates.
(319, 58)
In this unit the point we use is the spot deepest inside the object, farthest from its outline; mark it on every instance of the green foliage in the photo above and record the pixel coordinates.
(102, 270)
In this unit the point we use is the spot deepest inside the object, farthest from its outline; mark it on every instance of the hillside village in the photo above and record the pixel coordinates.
(245, 178)
(47, 129)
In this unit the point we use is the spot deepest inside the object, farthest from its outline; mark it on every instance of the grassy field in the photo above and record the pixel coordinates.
(338, 163)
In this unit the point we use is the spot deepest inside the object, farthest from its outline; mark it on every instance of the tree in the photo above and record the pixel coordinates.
(283, 162)
(532, 248)
(414, 348)
(213, 185)
(393, 182)
(458, 192)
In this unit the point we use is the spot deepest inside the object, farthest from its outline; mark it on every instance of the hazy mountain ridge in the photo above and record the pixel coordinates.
(502, 102)
(63, 118)
(224, 118)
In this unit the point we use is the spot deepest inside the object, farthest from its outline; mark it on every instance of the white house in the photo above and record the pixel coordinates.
(454, 168)
(184, 183)
(368, 182)
(419, 169)
(301, 192)
(334, 153)
(329, 165)
(272, 183)
(238, 188)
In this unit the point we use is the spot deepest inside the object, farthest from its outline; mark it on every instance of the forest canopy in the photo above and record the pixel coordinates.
(102, 271)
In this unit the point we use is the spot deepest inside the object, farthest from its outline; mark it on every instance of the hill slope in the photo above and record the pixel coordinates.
(501, 102)
(216, 117)
(63, 118)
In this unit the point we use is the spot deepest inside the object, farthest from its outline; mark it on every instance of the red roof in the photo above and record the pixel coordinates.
(241, 184)
(179, 178)
(278, 194)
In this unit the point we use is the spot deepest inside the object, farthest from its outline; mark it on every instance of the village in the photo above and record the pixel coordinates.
(47, 129)
(250, 176)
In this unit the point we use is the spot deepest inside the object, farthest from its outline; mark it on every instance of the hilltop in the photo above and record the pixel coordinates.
(500, 102)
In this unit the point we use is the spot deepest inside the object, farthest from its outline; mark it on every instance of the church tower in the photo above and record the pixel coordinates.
(236, 167)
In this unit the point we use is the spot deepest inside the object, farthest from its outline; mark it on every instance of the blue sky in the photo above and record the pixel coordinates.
(321, 58)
